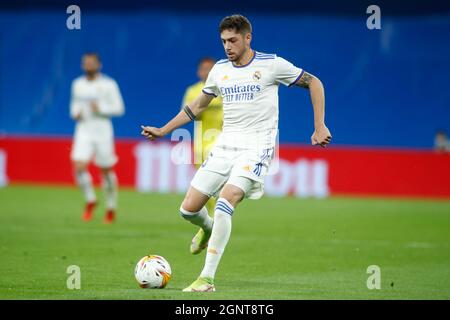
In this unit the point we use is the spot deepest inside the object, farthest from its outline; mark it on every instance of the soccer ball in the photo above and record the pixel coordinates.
(152, 272)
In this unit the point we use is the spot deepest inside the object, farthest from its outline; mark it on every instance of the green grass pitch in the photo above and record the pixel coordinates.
(280, 248)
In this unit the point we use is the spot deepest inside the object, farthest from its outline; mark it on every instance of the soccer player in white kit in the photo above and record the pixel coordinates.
(248, 83)
(95, 98)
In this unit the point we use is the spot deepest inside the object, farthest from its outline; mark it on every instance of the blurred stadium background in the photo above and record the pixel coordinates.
(386, 97)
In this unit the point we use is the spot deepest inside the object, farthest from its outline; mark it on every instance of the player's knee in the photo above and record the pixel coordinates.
(194, 200)
(232, 194)
(106, 171)
(80, 166)
(190, 205)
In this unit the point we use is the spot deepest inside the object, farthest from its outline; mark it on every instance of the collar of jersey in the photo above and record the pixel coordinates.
(245, 65)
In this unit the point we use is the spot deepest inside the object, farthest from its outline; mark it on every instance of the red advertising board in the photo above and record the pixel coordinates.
(300, 170)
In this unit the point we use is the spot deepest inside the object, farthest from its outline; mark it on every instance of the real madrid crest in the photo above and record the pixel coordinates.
(257, 75)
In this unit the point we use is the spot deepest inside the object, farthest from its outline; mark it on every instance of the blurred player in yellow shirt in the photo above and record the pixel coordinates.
(209, 124)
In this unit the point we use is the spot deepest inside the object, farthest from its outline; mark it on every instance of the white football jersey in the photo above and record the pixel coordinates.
(250, 98)
(102, 90)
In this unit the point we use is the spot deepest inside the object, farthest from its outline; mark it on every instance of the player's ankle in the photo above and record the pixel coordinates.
(207, 279)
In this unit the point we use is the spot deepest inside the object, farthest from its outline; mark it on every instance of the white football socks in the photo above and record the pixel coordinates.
(110, 189)
(84, 180)
(201, 218)
(219, 237)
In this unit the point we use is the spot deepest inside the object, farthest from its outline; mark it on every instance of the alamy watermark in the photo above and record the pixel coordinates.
(374, 280)
(74, 280)
(374, 20)
(182, 153)
(74, 20)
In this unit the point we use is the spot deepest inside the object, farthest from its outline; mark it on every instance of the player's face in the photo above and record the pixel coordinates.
(203, 69)
(235, 44)
(90, 65)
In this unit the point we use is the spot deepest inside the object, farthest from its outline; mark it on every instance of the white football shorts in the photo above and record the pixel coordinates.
(230, 165)
(87, 145)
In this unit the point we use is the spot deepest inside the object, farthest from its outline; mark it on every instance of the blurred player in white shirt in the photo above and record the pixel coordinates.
(95, 98)
(248, 83)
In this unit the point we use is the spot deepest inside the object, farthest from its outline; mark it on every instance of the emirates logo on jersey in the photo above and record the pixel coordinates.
(257, 75)
(239, 93)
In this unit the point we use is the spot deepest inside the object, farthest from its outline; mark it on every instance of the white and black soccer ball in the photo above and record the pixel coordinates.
(152, 271)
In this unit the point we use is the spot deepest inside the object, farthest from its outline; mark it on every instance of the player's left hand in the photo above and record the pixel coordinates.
(151, 132)
(321, 136)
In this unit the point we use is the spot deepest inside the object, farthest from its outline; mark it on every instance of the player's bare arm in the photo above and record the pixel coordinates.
(187, 114)
(321, 135)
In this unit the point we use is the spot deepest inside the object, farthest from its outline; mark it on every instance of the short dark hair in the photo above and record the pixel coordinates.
(93, 54)
(237, 22)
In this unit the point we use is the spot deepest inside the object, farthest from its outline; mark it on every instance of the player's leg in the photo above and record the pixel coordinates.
(193, 199)
(110, 187)
(105, 159)
(193, 208)
(205, 184)
(246, 179)
(82, 151)
(200, 240)
(231, 194)
(84, 181)
(202, 149)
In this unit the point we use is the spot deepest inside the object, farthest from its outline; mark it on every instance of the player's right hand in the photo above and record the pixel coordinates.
(151, 132)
